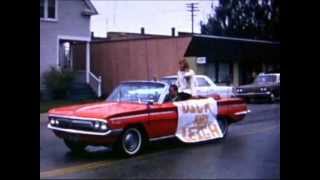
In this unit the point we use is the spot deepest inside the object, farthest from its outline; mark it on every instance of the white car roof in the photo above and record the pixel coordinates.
(143, 81)
(175, 76)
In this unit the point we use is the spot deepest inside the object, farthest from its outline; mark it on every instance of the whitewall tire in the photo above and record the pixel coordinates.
(131, 141)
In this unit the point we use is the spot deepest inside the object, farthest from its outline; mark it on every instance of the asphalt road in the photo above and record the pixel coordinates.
(251, 150)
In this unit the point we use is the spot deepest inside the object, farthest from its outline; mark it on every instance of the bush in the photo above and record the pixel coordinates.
(58, 82)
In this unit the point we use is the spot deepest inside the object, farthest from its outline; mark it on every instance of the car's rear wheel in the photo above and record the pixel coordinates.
(75, 146)
(224, 126)
(131, 141)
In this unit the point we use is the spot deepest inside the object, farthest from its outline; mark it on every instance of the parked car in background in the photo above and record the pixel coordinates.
(205, 86)
(132, 115)
(265, 86)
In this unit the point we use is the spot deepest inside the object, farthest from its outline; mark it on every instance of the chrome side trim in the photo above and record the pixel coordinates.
(76, 118)
(161, 138)
(141, 115)
(84, 132)
(127, 117)
(253, 93)
(164, 112)
(242, 112)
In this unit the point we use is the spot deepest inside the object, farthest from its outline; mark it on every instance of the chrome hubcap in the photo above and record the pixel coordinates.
(131, 141)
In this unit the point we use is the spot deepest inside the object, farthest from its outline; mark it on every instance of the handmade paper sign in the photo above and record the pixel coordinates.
(197, 120)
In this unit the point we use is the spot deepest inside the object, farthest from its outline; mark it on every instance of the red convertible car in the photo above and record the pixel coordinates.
(132, 115)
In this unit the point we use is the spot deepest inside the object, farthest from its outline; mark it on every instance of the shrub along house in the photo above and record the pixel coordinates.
(132, 56)
(62, 23)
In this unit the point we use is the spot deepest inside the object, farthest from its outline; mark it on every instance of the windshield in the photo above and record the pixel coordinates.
(138, 92)
(265, 79)
(201, 82)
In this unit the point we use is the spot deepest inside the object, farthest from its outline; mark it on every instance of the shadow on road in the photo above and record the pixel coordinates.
(262, 101)
(103, 153)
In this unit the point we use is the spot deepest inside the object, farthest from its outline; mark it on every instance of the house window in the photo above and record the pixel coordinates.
(52, 9)
(48, 9)
(41, 8)
(224, 73)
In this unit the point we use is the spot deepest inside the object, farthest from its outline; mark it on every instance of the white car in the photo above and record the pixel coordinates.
(205, 86)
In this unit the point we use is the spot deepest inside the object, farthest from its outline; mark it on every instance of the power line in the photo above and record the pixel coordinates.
(114, 13)
(192, 7)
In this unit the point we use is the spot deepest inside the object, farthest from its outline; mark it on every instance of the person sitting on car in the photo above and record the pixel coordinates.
(186, 81)
(173, 94)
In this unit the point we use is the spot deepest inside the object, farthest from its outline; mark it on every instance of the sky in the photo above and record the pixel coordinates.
(156, 16)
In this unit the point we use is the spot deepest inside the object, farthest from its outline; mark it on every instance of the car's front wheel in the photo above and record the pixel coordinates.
(131, 141)
(75, 146)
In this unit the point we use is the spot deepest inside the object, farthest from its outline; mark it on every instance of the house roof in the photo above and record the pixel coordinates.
(91, 10)
(112, 36)
(236, 39)
(106, 40)
(131, 33)
(220, 48)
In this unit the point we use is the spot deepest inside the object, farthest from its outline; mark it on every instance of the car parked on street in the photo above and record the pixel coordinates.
(134, 114)
(205, 86)
(266, 86)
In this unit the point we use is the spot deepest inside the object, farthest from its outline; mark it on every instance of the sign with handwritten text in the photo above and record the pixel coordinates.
(197, 120)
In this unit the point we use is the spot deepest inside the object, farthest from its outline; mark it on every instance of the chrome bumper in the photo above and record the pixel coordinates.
(109, 132)
(242, 112)
(253, 94)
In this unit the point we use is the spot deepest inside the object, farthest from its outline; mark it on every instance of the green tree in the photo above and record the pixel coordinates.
(256, 19)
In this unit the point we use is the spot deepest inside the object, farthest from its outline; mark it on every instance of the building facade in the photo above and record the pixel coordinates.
(61, 22)
(233, 61)
(225, 60)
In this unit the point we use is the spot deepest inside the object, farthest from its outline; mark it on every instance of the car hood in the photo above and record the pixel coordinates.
(97, 110)
(256, 85)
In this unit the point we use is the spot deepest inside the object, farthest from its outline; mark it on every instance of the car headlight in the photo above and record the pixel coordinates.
(263, 89)
(53, 121)
(96, 125)
(100, 126)
(103, 127)
(239, 90)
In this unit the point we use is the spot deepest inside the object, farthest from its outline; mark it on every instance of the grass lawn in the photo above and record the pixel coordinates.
(46, 105)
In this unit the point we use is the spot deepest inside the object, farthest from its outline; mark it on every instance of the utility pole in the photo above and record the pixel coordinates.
(192, 7)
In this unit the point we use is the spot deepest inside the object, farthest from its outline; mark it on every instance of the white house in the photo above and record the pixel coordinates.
(63, 21)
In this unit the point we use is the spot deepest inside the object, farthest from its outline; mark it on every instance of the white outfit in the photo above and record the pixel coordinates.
(185, 86)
